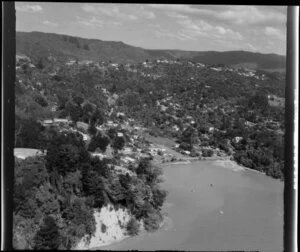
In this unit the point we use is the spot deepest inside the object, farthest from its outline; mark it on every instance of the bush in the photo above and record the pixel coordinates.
(92, 130)
(133, 227)
(103, 228)
(41, 100)
(185, 146)
(152, 221)
(98, 141)
(48, 236)
(207, 153)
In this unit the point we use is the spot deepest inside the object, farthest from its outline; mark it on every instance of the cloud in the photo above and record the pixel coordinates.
(94, 22)
(176, 35)
(235, 14)
(274, 32)
(251, 15)
(250, 47)
(108, 10)
(189, 29)
(126, 12)
(200, 28)
(174, 14)
(49, 23)
(29, 8)
(173, 7)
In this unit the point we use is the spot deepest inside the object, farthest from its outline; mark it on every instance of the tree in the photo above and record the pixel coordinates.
(28, 134)
(98, 117)
(132, 227)
(41, 100)
(48, 236)
(79, 214)
(78, 99)
(40, 64)
(75, 113)
(66, 153)
(87, 109)
(114, 88)
(190, 136)
(112, 133)
(92, 130)
(98, 141)
(159, 197)
(118, 143)
(62, 101)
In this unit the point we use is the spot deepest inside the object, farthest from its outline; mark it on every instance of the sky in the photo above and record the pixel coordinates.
(163, 26)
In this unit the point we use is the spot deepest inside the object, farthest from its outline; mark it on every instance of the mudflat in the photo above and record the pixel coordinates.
(213, 207)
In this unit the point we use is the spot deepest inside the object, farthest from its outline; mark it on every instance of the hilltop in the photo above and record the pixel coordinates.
(65, 47)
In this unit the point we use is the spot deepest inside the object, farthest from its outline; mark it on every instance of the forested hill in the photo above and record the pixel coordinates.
(242, 59)
(64, 47)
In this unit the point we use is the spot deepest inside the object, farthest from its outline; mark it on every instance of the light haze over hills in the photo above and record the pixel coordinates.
(64, 47)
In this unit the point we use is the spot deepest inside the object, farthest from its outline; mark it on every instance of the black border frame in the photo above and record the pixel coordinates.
(7, 129)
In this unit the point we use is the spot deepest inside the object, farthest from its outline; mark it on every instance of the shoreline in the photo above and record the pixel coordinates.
(209, 202)
(224, 162)
(166, 220)
(217, 161)
(181, 159)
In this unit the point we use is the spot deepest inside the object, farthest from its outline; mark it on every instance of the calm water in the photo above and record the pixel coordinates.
(242, 210)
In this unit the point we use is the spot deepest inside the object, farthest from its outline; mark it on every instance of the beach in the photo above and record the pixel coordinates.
(215, 206)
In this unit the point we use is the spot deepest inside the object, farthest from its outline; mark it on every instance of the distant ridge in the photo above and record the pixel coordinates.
(64, 47)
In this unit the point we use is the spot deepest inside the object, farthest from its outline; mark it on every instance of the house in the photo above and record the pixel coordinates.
(83, 126)
(128, 160)
(175, 146)
(23, 153)
(163, 108)
(54, 108)
(127, 150)
(176, 128)
(211, 129)
(186, 152)
(109, 152)
(237, 139)
(22, 58)
(216, 69)
(99, 155)
(47, 122)
(200, 65)
(71, 62)
(62, 120)
(110, 123)
(120, 115)
(84, 136)
(249, 124)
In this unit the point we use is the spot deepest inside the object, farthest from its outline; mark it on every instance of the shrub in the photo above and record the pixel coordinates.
(98, 141)
(133, 227)
(152, 221)
(48, 236)
(103, 228)
(207, 153)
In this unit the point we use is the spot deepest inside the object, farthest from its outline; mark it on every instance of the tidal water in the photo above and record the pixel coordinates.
(210, 207)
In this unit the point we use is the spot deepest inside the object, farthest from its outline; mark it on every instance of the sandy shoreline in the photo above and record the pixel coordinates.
(225, 163)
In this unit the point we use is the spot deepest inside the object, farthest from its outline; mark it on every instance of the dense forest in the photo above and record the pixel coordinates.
(55, 195)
